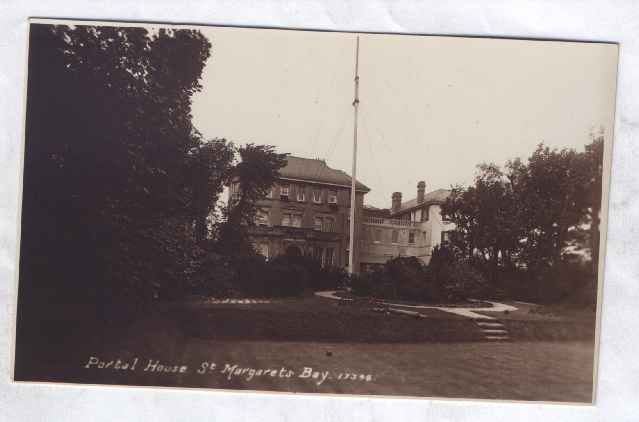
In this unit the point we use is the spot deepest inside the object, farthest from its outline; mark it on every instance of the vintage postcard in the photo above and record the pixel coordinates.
(313, 212)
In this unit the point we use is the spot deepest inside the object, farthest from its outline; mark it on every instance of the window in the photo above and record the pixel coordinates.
(418, 215)
(284, 191)
(291, 220)
(235, 192)
(261, 218)
(328, 257)
(262, 249)
(446, 237)
(301, 197)
(269, 193)
(378, 235)
(411, 237)
(325, 224)
(425, 214)
(329, 224)
(318, 254)
(332, 197)
(395, 236)
(317, 196)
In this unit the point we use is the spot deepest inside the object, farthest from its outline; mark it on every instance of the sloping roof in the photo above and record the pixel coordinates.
(370, 210)
(314, 170)
(435, 197)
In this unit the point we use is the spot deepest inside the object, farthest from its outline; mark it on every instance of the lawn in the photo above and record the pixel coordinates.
(348, 350)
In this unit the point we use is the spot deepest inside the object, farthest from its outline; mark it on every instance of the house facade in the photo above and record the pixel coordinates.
(411, 228)
(307, 212)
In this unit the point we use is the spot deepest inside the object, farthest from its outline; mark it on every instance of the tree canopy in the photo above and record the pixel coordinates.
(527, 214)
(119, 186)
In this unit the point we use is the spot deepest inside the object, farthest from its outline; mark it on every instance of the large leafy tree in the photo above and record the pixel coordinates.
(528, 214)
(552, 189)
(108, 135)
(485, 216)
(211, 165)
(594, 155)
(254, 174)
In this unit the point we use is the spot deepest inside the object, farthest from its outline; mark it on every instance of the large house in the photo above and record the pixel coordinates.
(411, 228)
(307, 212)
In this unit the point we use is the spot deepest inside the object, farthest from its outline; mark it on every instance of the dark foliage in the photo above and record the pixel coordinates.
(445, 279)
(107, 192)
(532, 220)
(256, 172)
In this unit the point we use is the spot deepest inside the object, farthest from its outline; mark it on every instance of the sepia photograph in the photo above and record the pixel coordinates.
(300, 211)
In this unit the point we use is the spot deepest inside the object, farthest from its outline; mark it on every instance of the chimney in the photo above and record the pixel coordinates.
(421, 189)
(397, 202)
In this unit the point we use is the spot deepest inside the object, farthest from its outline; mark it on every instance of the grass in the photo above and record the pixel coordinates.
(403, 355)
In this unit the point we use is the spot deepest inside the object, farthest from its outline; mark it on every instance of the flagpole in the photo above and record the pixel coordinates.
(351, 248)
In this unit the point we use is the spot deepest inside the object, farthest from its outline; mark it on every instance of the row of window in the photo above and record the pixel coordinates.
(292, 219)
(287, 194)
(376, 235)
(300, 194)
(326, 256)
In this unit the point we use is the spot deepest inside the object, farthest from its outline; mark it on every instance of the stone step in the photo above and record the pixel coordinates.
(497, 338)
(494, 331)
(490, 324)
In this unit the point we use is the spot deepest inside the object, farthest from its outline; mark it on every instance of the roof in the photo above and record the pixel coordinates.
(435, 197)
(373, 211)
(317, 171)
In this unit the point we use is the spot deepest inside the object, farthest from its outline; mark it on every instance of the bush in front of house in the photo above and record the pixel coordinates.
(215, 275)
(566, 282)
(403, 278)
(455, 279)
(444, 280)
(458, 281)
(287, 276)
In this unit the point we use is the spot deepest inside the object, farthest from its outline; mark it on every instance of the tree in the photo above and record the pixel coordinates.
(528, 215)
(211, 166)
(108, 136)
(594, 158)
(552, 189)
(255, 174)
(485, 216)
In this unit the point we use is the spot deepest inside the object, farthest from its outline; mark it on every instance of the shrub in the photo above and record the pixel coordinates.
(215, 275)
(457, 280)
(286, 276)
(407, 278)
(567, 283)
(251, 271)
(331, 278)
(445, 280)
(400, 278)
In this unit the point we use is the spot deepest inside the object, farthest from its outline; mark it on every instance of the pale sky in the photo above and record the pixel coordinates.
(431, 108)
